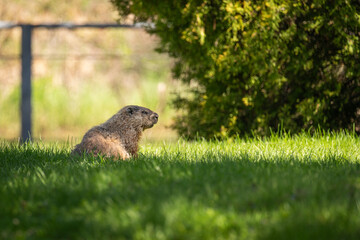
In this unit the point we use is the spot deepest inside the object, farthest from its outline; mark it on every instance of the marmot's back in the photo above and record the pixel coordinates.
(119, 136)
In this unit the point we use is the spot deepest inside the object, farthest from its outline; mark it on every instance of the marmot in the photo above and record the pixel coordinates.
(119, 136)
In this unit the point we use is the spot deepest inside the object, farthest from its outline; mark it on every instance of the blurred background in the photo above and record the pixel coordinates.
(80, 77)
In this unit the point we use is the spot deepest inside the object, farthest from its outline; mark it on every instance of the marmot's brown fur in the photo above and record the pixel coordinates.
(119, 136)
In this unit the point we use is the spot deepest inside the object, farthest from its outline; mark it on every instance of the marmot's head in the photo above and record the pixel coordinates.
(139, 116)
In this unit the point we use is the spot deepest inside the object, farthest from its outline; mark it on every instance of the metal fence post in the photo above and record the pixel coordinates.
(26, 57)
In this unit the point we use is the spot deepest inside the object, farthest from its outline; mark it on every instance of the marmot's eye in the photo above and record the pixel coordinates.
(144, 112)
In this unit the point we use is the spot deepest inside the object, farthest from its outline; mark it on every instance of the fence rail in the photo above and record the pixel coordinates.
(27, 56)
(69, 25)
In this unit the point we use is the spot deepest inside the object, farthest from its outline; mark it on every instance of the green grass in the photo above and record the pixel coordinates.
(59, 113)
(297, 187)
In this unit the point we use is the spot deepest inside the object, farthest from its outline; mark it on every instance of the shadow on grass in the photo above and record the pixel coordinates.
(48, 194)
(314, 225)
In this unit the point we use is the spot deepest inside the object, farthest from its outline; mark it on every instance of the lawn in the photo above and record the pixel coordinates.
(288, 187)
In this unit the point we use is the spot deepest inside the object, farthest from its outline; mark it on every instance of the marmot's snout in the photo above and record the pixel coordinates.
(154, 117)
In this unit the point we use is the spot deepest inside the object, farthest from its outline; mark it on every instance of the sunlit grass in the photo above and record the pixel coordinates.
(60, 113)
(288, 187)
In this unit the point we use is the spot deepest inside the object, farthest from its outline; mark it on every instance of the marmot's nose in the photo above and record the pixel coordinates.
(155, 117)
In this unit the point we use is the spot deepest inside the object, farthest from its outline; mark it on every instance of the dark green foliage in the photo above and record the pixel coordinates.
(255, 65)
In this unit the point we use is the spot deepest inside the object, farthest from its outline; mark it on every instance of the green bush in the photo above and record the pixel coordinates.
(255, 65)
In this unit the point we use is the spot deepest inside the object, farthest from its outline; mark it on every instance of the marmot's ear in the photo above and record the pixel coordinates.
(130, 110)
